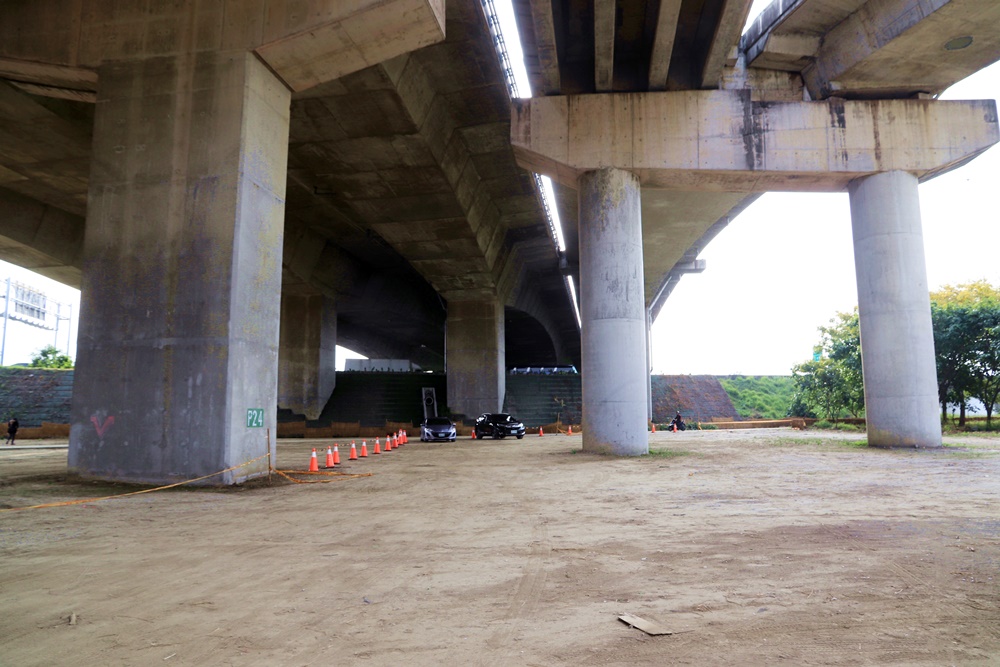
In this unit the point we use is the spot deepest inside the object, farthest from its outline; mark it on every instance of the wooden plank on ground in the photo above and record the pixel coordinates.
(649, 627)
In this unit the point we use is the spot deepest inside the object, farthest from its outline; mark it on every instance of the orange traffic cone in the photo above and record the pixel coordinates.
(336, 455)
(473, 434)
(330, 461)
(388, 444)
(570, 431)
(675, 428)
(406, 438)
(395, 441)
(313, 463)
(376, 450)
(402, 440)
(654, 427)
(354, 452)
(364, 449)
(540, 432)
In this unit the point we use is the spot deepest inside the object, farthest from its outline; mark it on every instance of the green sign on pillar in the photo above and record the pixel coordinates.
(255, 417)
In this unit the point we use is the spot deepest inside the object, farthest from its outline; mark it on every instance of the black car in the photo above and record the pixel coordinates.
(437, 428)
(498, 425)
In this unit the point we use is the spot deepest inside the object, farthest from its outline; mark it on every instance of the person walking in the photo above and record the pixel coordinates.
(12, 430)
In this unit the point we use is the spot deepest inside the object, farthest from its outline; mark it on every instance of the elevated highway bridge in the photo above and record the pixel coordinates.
(236, 187)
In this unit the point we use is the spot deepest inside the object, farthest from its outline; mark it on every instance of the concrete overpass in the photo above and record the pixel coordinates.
(351, 170)
(688, 122)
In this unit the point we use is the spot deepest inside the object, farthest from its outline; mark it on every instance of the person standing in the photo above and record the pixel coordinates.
(12, 430)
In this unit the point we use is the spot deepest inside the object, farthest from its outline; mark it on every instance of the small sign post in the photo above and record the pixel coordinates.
(255, 417)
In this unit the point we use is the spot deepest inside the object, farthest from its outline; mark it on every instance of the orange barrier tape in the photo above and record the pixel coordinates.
(135, 493)
(338, 476)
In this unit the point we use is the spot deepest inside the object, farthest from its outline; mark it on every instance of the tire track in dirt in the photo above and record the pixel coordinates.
(918, 582)
(525, 599)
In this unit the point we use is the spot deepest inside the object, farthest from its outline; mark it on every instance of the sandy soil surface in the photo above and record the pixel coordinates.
(754, 547)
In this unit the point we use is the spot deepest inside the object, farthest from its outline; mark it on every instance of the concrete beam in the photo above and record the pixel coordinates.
(44, 155)
(42, 238)
(907, 38)
(304, 43)
(690, 266)
(457, 251)
(76, 83)
(732, 17)
(352, 36)
(663, 43)
(605, 24)
(545, 44)
(788, 52)
(724, 141)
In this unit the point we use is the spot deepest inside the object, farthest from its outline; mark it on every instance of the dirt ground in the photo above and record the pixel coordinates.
(760, 547)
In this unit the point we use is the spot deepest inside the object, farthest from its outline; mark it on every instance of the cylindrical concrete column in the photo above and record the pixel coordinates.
(897, 339)
(612, 308)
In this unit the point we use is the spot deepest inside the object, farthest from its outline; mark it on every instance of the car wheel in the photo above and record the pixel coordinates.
(520, 436)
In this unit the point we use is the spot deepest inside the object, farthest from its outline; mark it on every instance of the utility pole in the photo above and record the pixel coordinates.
(6, 314)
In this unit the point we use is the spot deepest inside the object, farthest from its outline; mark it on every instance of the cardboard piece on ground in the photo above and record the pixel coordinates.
(649, 627)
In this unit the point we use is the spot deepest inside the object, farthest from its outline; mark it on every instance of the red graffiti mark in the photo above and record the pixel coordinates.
(102, 428)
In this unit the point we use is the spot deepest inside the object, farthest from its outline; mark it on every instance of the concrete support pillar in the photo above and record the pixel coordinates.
(307, 353)
(612, 305)
(182, 270)
(897, 339)
(474, 357)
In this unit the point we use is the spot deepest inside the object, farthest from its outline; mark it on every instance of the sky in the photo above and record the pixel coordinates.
(19, 340)
(777, 273)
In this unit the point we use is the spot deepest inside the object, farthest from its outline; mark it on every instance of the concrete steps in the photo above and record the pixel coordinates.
(543, 399)
(373, 398)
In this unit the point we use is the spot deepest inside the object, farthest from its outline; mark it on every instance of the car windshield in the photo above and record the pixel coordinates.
(438, 421)
(501, 419)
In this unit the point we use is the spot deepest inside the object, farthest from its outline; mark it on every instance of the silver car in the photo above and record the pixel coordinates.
(437, 429)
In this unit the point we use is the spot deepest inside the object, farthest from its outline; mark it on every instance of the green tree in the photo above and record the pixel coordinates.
(842, 343)
(832, 384)
(955, 329)
(986, 364)
(51, 357)
(820, 385)
(977, 293)
(800, 408)
(966, 322)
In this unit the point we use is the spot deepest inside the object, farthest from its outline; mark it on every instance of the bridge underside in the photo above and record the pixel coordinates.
(236, 199)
